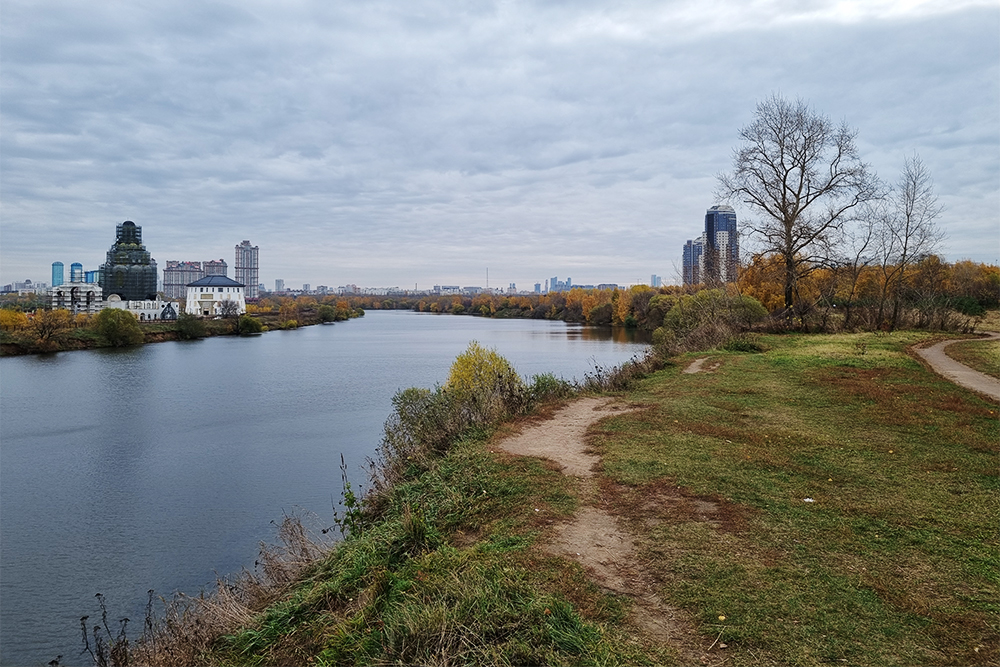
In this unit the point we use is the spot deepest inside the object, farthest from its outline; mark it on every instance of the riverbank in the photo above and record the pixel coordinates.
(826, 499)
(78, 335)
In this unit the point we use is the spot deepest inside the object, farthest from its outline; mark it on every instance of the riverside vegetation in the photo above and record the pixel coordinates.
(809, 499)
(28, 326)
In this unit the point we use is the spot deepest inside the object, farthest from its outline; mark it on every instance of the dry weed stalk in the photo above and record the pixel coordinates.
(191, 625)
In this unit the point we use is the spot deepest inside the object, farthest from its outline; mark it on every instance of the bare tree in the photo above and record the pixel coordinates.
(229, 308)
(908, 232)
(804, 178)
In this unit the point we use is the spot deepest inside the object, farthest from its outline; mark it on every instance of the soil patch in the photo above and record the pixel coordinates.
(594, 538)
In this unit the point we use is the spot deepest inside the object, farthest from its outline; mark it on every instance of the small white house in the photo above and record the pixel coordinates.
(214, 295)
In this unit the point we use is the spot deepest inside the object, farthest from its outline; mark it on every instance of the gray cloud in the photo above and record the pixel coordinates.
(393, 143)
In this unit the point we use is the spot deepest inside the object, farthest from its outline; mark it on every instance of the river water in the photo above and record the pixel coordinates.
(164, 465)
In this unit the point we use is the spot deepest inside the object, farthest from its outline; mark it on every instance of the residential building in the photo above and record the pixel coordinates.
(129, 271)
(177, 275)
(722, 245)
(246, 269)
(215, 267)
(693, 251)
(215, 295)
(279, 285)
(714, 257)
(655, 281)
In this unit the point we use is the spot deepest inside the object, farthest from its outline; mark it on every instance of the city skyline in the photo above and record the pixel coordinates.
(416, 144)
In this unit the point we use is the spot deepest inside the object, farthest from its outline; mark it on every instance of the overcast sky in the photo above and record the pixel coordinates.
(419, 142)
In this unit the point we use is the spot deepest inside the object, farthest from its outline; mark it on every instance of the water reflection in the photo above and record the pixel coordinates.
(161, 466)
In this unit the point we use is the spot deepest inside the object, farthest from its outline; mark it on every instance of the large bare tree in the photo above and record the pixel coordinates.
(801, 176)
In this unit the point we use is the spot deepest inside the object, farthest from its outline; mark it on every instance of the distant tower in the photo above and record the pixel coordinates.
(57, 274)
(246, 269)
(722, 245)
(215, 267)
(76, 272)
(129, 271)
(693, 251)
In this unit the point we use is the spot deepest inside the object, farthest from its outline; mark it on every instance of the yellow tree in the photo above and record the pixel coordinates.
(13, 320)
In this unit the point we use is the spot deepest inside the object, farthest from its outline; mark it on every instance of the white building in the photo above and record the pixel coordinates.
(212, 296)
(146, 310)
(77, 297)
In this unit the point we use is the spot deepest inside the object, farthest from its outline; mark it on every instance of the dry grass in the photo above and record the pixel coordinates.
(191, 626)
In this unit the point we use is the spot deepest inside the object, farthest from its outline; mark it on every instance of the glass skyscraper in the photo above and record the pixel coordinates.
(714, 257)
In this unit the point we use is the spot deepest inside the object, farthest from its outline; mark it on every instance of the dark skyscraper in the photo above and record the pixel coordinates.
(722, 245)
(129, 271)
(714, 257)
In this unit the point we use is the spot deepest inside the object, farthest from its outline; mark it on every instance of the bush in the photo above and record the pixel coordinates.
(547, 387)
(190, 327)
(744, 342)
(707, 319)
(249, 324)
(488, 384)
(118, 327)
(327, 313)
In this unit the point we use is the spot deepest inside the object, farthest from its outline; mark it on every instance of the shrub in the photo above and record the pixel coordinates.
(487, 383)
(744, 342)
(118, 327)
(326, 313)
(705, 320)
(190, 327)
(547, 387)
(249, 325)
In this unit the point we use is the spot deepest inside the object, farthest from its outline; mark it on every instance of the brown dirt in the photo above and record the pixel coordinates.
(596, 538)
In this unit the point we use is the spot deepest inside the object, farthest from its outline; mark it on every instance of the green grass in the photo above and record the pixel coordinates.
(984, 356)
(896, 559)
(450, 574)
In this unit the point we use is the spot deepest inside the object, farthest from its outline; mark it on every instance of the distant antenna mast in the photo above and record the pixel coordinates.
(487, 277)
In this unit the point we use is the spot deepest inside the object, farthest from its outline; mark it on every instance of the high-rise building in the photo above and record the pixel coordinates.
(215, 267)
(128, 270)
(714, 257)
(722, 245)
(57, 274)
(279, 285)
(655, 281)
(177, 275)
(76, 272)
(693, 251)
(245, 269)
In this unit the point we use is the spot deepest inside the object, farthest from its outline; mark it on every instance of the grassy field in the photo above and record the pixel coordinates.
(849, 502)
(826, 501)
(984, 356)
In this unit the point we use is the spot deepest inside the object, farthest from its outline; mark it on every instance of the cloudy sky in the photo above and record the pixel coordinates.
(419, 142)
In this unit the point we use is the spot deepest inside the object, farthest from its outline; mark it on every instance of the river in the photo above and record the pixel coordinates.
(163, 466)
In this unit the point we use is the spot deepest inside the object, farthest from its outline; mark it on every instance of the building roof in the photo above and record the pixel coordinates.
(215, 281)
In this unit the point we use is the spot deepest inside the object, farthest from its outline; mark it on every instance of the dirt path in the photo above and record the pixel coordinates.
(594, 537)
(958, 373)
